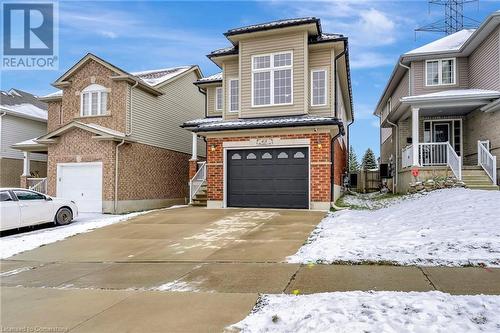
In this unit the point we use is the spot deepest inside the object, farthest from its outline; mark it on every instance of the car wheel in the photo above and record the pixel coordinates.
(63, 216)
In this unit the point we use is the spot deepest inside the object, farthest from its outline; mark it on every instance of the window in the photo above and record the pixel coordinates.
(94, 101)
(236, 156)
(318, 87)
(28, 195)
(218, 98)
(272, 79)
(251, 156)
(233, 95)
(440, 72)
(283, 155)
(5, 196)
(266, 156)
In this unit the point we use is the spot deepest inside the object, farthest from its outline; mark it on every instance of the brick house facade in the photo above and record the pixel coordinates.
(140, 166)
(286, 152)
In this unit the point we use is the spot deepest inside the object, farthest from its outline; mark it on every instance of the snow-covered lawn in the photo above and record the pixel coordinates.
(382, 311)
(85, 222)
(374, 200)
(452, 227)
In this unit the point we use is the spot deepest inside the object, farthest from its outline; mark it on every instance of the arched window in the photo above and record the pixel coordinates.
(94, 101)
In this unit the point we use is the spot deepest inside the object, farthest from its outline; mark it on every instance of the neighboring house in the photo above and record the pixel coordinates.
(441, 108)
(22, 116)
(277, 118)
(114, 142)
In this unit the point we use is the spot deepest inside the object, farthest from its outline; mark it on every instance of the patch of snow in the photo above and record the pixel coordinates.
(156, 76)
(450, 43)
(15, 271)
(375, 200)
(27, 109)
(455, 93)
(54, 94)
(180, 286)
(223, 231)
(214, 77)
(451, 227)
(85, 222)
(382, 311)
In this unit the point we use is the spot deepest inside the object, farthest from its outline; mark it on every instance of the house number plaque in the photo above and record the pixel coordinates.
(265, 141)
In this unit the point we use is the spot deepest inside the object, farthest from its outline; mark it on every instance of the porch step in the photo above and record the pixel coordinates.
(490, 187)
(476, 178)
(200, 199)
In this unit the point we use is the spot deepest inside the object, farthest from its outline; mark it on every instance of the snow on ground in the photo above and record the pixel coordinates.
(383, 311)
(85, 222)
(375, 200)
(452, 227)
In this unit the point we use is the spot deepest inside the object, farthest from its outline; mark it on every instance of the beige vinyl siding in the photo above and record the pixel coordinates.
(211, 112)
(156, 120)
(16, 129)
(275, 43)
(318, 60)
(400, 91)
(484, 63)
(231, 71)
(418, 72)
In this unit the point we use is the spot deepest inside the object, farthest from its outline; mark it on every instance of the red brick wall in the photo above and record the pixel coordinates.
(91, 72)
(339, 161)
(145, 172)
(319, 157)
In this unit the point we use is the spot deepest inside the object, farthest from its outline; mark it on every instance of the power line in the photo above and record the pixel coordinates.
(454, 19)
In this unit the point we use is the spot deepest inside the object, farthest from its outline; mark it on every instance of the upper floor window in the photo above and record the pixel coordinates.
(218, 98)
(233, 95)
(440, 72)
(318, 87)
(272, 79)
(94, 101)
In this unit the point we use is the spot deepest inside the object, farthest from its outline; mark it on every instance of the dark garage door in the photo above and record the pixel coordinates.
(274, 178)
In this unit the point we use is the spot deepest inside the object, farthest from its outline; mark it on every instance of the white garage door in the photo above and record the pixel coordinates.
(82, 183)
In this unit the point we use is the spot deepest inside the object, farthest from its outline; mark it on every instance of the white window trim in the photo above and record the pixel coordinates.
(230, 96)
(326, 86)
(271, 69)
(93, 88)
(440, 72)
(216, 108)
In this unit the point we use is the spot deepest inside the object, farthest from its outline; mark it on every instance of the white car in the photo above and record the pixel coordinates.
(20, 207)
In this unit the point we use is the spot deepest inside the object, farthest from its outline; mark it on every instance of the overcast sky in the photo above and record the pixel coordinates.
(156, 34)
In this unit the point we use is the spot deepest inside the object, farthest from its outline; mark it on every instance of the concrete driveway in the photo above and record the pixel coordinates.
(127, 277)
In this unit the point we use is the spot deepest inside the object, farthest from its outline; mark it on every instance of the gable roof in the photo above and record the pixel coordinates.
(23, 104)
(149, 80)
(101, 133)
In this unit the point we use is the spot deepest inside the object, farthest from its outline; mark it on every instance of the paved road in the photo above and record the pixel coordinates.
(191, 270)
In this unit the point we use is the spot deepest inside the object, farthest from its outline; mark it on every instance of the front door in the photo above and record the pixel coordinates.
(442, 132)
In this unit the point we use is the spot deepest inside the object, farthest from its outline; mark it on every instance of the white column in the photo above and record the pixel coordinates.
(414, 135)
(195, 147)
(26, 165)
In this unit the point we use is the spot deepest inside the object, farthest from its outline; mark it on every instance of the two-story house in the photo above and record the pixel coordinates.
(114, 142)
(22, 116)
(277, 118)
(440, 110)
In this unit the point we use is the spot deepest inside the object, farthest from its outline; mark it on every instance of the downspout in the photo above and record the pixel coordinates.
(343, 53)
(332, 168)
(409, 78)
(116, 176)
(395, 182)
(1, 116)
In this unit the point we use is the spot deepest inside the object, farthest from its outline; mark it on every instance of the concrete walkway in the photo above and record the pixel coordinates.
(191, 270)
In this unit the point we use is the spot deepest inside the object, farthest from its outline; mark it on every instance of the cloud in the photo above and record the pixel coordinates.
(361, 59)
(364, 111)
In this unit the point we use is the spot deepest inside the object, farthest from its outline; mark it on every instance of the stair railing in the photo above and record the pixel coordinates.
(486, 160)
(197, 181)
